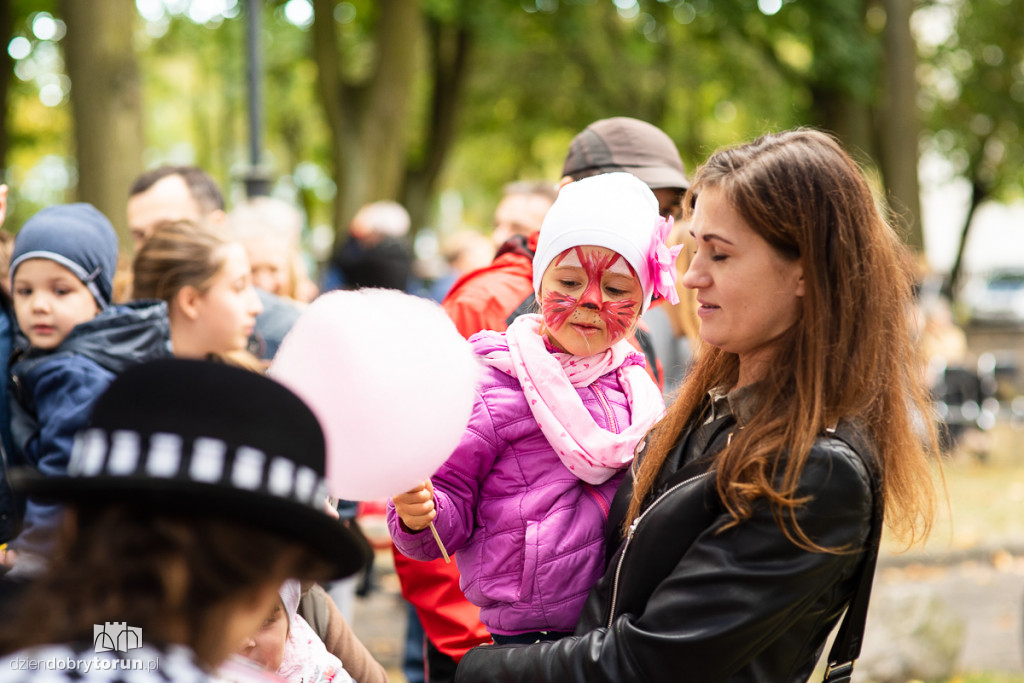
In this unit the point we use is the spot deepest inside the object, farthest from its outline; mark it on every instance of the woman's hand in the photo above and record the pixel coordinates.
(415, 507)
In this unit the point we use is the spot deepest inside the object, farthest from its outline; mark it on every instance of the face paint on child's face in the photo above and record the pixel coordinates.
(590, 299)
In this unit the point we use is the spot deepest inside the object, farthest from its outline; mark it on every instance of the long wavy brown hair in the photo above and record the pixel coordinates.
(175, 576)
(850, 355)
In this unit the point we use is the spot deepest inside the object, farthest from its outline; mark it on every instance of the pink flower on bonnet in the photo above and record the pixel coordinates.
(662, 261)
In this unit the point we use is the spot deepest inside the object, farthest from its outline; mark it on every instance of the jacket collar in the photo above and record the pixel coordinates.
(741, 403)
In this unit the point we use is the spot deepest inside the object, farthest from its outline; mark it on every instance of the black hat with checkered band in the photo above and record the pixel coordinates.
(204, 437)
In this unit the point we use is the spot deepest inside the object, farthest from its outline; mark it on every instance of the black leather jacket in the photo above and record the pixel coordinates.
(686, 599)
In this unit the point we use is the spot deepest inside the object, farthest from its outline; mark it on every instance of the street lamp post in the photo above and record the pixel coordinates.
(257, 182)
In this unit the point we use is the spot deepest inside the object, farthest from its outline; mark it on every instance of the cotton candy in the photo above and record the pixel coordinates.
(391, 381)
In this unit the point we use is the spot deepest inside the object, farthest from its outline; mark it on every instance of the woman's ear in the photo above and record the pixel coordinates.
(187, 301)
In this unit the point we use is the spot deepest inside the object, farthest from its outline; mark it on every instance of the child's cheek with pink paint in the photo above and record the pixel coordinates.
(556, 309)
(618, 316)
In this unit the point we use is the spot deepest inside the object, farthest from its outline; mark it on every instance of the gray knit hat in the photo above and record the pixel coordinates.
(78, 237)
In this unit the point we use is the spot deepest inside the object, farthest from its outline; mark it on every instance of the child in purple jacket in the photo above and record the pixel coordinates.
(563, 402)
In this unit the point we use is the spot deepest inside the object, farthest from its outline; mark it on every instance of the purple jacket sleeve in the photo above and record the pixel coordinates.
(456, 490)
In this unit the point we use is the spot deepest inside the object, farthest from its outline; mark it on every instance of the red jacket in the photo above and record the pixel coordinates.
(451, 622)
(484, 298)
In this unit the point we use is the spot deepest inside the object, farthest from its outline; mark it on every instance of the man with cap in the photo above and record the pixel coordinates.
(197, 489)
(625, 144)
(72, 343)
(493, 296)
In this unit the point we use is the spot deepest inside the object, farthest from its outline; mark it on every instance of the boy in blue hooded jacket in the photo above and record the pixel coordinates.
(71, 345)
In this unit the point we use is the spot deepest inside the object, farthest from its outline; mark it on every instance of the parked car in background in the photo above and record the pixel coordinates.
(995, 298)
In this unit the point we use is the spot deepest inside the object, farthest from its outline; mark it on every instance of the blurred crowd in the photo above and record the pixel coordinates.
(115, 340)
(218, 284)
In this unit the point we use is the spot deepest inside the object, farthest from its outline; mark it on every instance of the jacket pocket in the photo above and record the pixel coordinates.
(495, 563)
(531, 558)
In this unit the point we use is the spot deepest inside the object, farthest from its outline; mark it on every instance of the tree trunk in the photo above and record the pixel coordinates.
(106, 102)
(449, 52)
(899, 127)
(979, 193)
(368, 120)
(846, 117)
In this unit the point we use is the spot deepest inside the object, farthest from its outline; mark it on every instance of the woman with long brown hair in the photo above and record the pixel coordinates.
(755, 505)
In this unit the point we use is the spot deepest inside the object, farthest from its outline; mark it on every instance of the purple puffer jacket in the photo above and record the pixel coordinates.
(529, 534)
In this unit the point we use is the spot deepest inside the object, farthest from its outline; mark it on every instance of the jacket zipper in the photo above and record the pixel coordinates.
(597, 496)
(629, 537)
(612, 422)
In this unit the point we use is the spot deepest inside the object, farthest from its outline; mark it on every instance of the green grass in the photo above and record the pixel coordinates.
(985, 498)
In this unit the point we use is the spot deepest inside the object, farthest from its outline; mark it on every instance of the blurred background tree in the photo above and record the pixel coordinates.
(438, 103)
(106, 106)
(973, 67)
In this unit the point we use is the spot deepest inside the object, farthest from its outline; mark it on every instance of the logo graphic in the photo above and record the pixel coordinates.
(117, 636)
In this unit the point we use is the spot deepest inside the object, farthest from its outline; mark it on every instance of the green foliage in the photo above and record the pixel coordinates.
(194, 94)
(708, 72)
(37, 134)
(974, 90)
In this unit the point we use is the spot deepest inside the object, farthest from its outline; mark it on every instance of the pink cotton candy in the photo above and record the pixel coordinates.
(391, 381)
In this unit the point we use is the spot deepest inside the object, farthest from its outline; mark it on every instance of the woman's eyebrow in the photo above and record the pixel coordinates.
(709, 237)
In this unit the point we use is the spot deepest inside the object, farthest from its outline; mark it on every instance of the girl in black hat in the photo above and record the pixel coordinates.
(196, 491)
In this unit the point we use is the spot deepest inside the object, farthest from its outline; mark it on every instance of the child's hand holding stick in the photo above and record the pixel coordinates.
(417, 511)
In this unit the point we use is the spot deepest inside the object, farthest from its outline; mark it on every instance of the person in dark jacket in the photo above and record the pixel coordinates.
(375, 253)
(73, 344)
(748, 514)
(8, 331)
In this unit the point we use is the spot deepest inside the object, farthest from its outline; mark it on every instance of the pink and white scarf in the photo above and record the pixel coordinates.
(549, 381)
